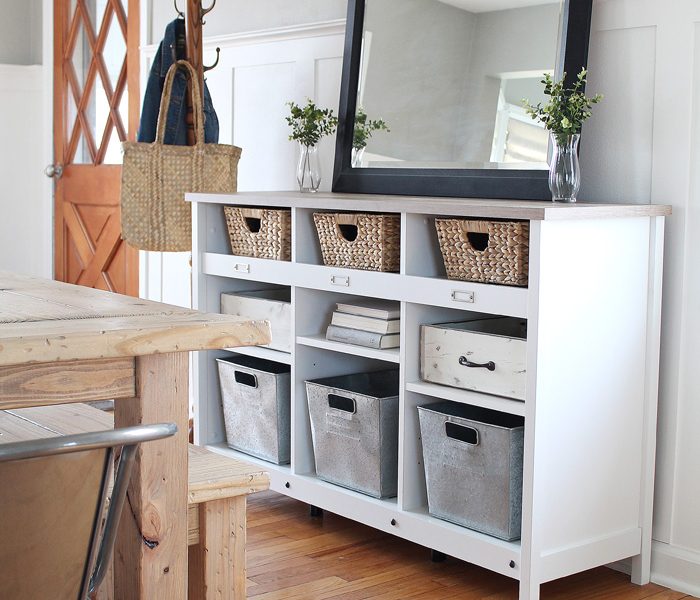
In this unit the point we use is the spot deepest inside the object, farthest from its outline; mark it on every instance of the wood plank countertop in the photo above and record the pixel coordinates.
(48, 321)
(471, 207)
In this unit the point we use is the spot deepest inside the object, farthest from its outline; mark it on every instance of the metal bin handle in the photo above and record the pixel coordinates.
(342, 403)
(462, 433)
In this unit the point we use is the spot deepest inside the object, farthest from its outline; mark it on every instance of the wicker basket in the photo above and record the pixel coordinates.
(485, 251)
(359, 241)
(259, 232)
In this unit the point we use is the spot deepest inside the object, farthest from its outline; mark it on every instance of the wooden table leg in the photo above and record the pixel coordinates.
(217, 563)
(150, 558)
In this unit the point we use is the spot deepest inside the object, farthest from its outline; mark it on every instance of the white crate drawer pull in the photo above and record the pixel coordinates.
(490, 365)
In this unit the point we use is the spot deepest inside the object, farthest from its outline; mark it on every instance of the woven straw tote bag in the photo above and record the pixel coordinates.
(155, 178)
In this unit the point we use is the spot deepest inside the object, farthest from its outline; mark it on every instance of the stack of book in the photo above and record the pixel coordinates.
(370, 323)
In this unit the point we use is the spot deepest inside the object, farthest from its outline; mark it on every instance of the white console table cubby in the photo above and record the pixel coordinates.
(593, 307)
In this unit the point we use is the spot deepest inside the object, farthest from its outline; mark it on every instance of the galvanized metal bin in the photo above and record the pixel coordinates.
(355, 430)
(473, 461)
(255, 396)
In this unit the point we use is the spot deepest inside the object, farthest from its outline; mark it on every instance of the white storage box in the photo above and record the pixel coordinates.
(273, 305)
(483, 355)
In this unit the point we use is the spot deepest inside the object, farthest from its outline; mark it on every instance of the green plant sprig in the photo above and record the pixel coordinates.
(567, 108)
(364, 128)
(310, 123)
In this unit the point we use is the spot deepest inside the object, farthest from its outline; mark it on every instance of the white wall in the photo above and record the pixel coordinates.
(25, 209)
(642, 145)
(20, 32)
(25, 242)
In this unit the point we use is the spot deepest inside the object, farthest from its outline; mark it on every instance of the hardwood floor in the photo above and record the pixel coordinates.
(294, 556)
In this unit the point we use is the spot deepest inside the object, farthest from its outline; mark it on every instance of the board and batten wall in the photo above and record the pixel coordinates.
(258, 72)
(25, 198)
(642, 145)
(21, 33)
(25, 233)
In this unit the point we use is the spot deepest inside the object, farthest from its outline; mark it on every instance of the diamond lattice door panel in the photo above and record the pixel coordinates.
(96, 107)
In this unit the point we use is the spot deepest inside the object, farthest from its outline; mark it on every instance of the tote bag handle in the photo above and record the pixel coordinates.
(197, 110)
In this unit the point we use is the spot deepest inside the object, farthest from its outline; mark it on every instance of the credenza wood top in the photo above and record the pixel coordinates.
(46, 321)
(471, 207)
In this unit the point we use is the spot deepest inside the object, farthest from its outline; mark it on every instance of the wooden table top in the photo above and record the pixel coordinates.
(46, 321)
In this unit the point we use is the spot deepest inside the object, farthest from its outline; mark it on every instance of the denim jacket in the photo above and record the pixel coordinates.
(176, 123)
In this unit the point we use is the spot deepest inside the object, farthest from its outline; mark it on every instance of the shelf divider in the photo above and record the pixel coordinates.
(319, 341)
(443, 392)
(264, 353)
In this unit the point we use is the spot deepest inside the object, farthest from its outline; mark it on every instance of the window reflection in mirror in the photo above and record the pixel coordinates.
(447, 78)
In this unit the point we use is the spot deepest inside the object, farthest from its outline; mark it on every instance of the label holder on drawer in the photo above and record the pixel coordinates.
(340, 280)
(462, 296)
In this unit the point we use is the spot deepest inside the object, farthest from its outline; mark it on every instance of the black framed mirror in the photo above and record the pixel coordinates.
(441, 82)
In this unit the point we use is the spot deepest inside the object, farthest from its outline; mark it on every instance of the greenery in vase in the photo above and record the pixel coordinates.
(567, 108)
(310, 123)
(364, 128)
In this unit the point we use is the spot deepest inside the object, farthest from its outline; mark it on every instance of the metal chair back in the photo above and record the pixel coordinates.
(55, 540)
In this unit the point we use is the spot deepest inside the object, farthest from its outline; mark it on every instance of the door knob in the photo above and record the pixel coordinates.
(54, 171)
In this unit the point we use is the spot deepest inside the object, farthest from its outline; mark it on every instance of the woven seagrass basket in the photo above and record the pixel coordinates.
(359, 241)
(259, 232)
(155, 177)
(485, 251)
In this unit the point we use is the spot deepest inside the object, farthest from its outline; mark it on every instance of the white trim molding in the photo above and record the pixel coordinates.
(21, 78)
(277, 34)
(47, 124)
(676, 568)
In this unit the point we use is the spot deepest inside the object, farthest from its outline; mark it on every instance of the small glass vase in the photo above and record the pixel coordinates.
(356, 158)
(308, 169)
(564, 169)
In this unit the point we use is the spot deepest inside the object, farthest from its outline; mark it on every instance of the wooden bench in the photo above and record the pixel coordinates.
(217, 490)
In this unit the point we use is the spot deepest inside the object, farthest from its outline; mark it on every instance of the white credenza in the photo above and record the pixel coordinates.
(593, 307)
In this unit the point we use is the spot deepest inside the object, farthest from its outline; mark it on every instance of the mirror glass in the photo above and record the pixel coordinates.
(441, 83)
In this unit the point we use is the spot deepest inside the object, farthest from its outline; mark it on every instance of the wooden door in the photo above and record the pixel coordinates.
(96, 106)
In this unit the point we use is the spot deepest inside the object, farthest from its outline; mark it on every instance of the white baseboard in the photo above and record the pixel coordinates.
(671, 567)
(675, 568)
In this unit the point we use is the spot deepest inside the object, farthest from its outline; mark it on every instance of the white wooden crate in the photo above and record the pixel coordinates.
(483, 355)
(273, 305)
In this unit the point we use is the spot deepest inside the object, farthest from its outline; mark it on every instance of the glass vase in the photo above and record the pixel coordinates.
(308, 169)
(356, 159)
(564, 169)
